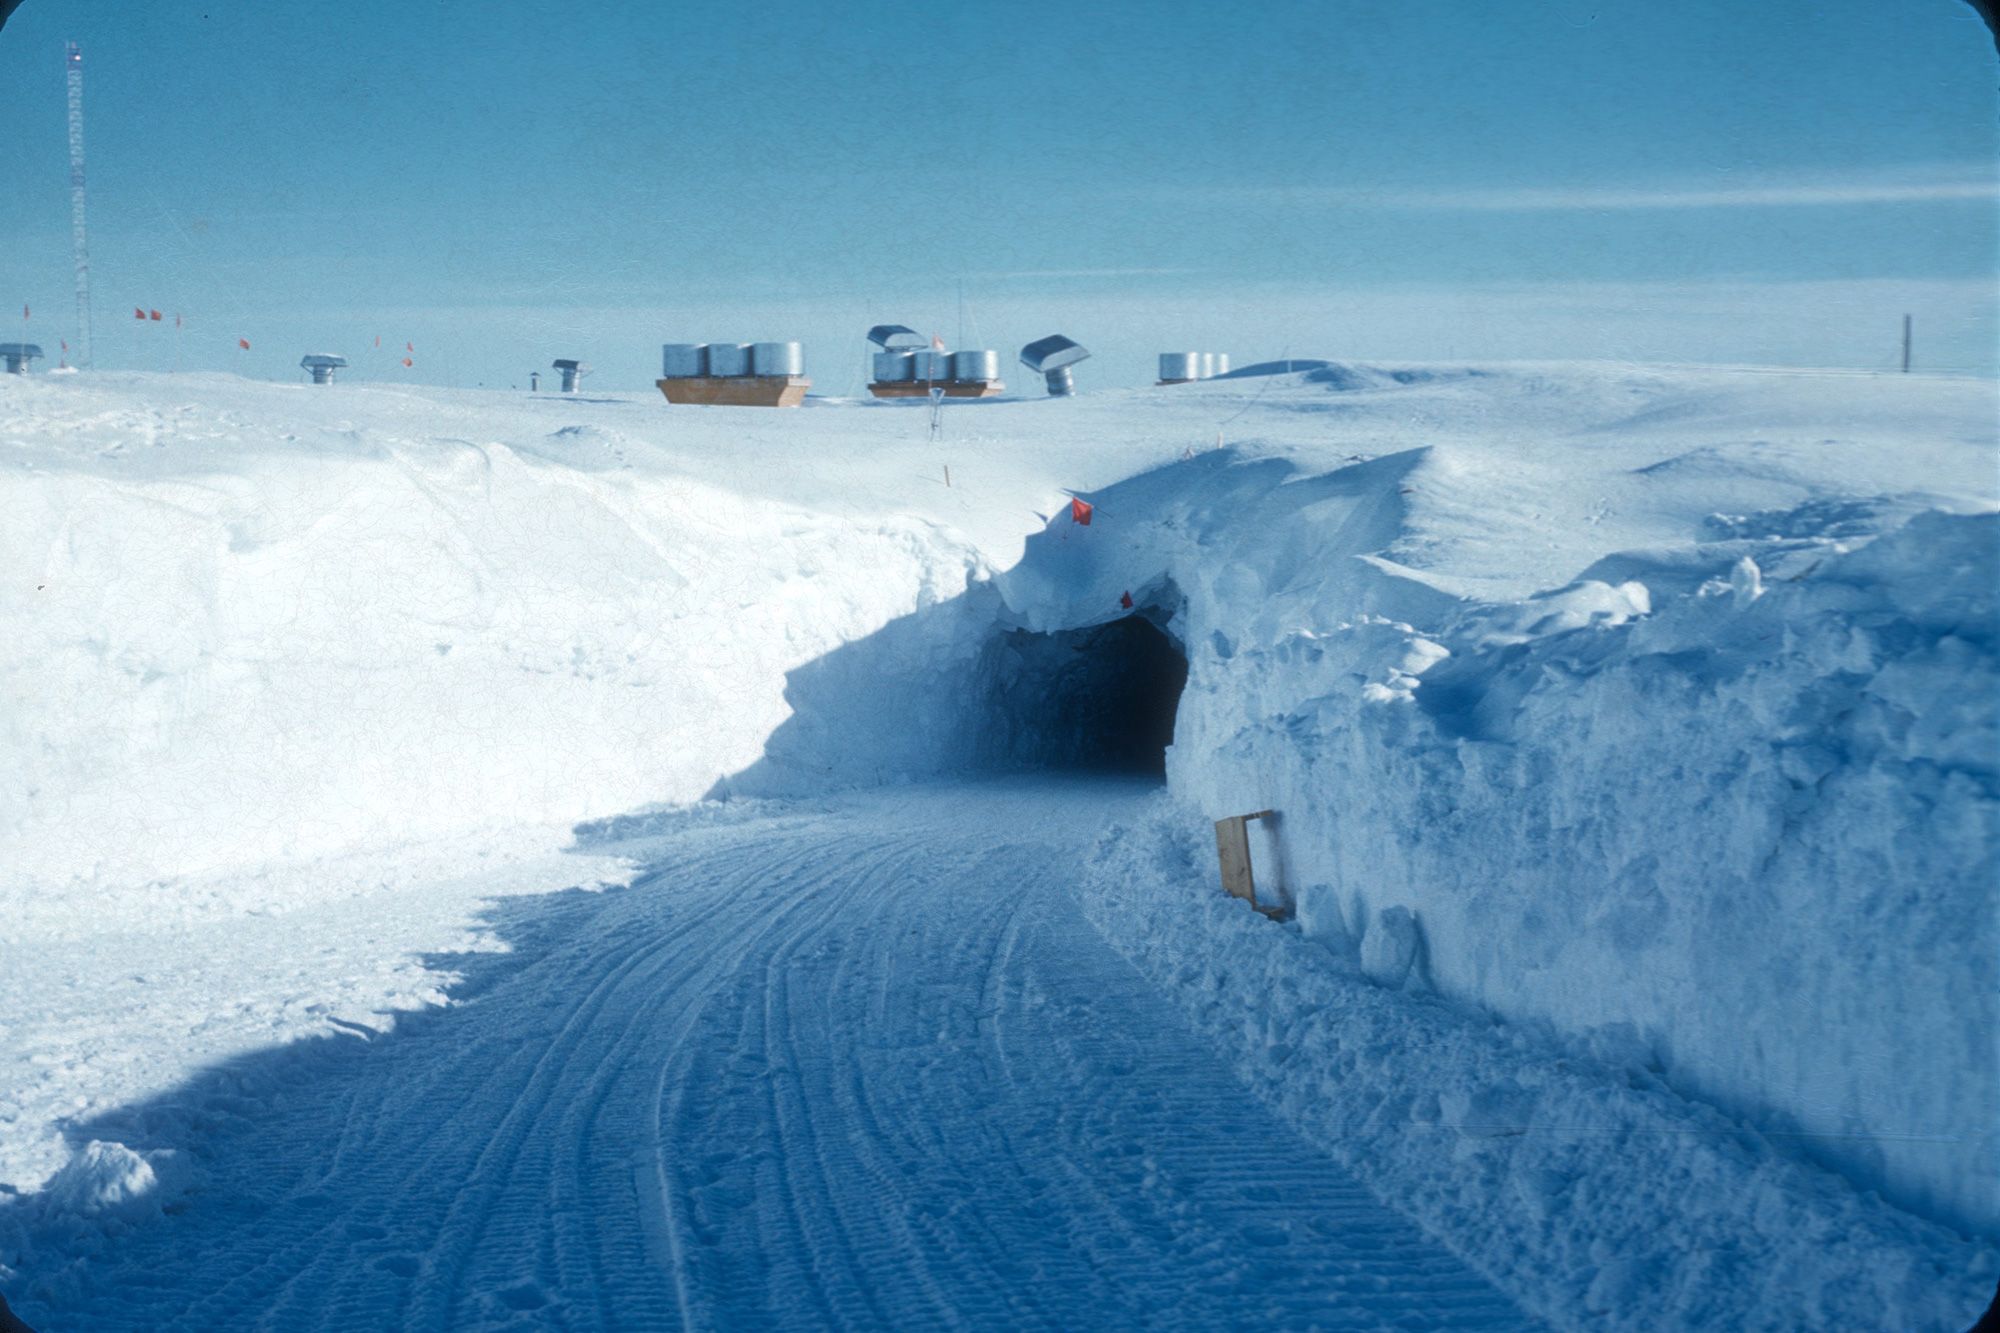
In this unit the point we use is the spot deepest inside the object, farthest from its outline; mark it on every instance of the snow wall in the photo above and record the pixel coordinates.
(305, 649)
(1721, 811)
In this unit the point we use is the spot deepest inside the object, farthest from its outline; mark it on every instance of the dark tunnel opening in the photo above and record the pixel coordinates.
(1098, 699)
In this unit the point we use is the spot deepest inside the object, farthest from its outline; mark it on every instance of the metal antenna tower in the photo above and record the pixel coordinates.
(78, 240)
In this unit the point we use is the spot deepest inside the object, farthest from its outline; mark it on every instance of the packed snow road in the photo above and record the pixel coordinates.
(858, 1064)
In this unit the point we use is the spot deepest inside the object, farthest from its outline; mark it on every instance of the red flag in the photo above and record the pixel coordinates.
(378, 340)
(409, 347)
(244, 343)
(155, 315)
(1126, 601)
(137, 313)
(408, 362)
(64, 342)
(1079, 512)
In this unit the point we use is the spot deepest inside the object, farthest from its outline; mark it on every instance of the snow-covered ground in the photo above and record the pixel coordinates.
(843, 1066)
(1648, 712)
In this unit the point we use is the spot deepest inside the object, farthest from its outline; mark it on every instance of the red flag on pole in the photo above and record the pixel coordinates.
(137, 313)
(1126, 601)
(1079, 513)
(408, 362)
(409, 347)
(155, 316)
(244, 343)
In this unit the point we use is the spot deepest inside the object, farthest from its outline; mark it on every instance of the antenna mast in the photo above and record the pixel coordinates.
(78, 241)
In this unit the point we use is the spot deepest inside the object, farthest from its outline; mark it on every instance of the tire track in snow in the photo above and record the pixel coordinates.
(858, 1068)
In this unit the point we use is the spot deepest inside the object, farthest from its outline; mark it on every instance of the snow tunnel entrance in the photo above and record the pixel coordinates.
(1100, 699)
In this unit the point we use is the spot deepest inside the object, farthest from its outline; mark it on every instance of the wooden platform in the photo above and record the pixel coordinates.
(922, 388)
(736, 390)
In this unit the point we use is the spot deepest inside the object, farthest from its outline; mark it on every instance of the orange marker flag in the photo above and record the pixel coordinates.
(137, 313)
(1080, 512)
(1126, 601)
(408, 362)
(378, 340)
(244, 343)
(409, 347)
(155, 316)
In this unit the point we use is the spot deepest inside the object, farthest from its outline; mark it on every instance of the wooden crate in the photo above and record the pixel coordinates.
(922, 388)
(736, 390)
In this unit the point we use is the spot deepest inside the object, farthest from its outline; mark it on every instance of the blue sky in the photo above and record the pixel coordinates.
(503, 183)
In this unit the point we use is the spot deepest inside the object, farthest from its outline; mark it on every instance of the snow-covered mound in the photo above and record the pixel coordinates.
(1727, 807)
(250, 641)
(1653, 708)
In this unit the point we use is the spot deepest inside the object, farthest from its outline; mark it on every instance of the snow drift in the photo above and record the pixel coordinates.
(1733, 829)
(231, 644)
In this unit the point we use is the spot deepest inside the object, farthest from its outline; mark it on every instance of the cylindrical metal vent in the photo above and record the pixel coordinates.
(569, 378)
(777, 359)
(680, 361)
(969, 367)
(932, 366)
(727, 359)
(1061, 383)
(895, 367)
(1180, 365)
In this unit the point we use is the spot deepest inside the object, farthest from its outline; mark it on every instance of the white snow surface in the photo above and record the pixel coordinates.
(1643, 718)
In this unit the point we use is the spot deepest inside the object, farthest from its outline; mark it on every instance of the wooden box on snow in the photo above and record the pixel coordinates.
(736, 390)
(922, 389)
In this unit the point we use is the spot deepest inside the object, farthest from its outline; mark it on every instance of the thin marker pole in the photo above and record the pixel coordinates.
(1906, 344)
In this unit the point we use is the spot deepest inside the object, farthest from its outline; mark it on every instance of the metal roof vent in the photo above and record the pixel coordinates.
(1051, 358)
(572, 371)
(889, 336)
(322, 365)
(17, 356)
(1186, 367)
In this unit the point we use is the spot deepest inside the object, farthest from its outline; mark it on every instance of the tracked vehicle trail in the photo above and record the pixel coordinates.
(865, 1067)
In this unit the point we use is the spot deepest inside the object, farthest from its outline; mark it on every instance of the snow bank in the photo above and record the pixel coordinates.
(1750, 831)
(1726, 804)
(280, 637)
